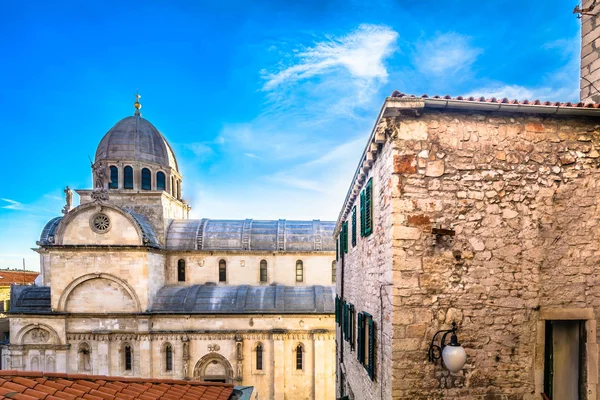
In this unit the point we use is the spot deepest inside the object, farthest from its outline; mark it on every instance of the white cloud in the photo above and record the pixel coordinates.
(12, 204)
(446, 54)
(360, 53)
(251, 155)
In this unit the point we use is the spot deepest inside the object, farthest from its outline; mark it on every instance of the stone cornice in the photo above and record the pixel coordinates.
(317, 334)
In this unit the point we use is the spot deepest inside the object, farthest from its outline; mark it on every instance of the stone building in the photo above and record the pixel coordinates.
(485, 213)
(9, 277)
(130, 286)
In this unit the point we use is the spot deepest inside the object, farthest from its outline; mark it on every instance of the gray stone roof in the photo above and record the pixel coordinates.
(249, 234)
(244, 299)
(47, 236)
(30, 299)
(136, 139)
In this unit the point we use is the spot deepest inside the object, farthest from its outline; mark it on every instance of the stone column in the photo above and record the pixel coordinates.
(278, 366)
(319, 366)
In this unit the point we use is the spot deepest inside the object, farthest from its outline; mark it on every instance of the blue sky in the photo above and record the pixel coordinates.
(267, 104)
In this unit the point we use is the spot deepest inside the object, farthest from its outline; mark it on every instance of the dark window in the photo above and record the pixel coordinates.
(160, 181)
(259, 357)
(114, 178)
(333, 270)
(263, 270)
(366, 342)
(222, 271)
(299, 271)
(128, 177)
(146, 179)
(128, 358)
(354, 226)
(168, 358)
(337, 248)
(337, 309)
(181, 270)
(179, 189)
(369, 207)
(299, 351)
(172, 186)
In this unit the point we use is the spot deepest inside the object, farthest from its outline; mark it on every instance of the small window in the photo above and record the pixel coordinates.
(369, 207)
(179, 189)
(259, 357)
(114, 178)
(344, 236)
(299, 357)
(222, 271)
(146, 179)
(168, 358)
(172, 186)
(333, 271)
(263, 270)
(128, 177)
(366, 342)
(181, 270)
(84, 357)
(128, 358)
(160, 181)
(299, 271)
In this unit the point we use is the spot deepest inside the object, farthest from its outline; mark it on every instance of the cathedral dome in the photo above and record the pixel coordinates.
(136, 139)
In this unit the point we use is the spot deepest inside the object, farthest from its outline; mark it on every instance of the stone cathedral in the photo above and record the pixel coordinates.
(131, 286)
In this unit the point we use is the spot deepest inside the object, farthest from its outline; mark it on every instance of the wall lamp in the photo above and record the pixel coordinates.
(452, 354)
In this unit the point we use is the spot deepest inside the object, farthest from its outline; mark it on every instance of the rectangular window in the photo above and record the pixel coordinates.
(564, 359)
(337, 309)
(366, 343)
(344, 319)
(369, 207)
(354, 226)
(362, 213)
(337, 248)
(351, 327)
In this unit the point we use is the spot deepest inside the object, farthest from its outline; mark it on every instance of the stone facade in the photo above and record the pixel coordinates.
(519, 189)
(130, 286)
(590, 52)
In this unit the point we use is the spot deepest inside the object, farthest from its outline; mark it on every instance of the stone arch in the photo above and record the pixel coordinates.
(38, 334)
(69, 217)
(213, 367)
(117, 283)
(50, 364)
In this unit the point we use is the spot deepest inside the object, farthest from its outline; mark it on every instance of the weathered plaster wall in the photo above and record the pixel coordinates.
(367, 280)
(521, 193)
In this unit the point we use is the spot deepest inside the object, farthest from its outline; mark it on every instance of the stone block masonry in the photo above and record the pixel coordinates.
(521, 193)
(590, 54)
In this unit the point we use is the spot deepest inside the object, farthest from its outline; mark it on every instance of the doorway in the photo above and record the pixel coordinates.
(213, 367)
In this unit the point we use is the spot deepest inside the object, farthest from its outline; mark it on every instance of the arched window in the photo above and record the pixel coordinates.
(263, 270)
(168, 357)
(172, 186)
(222, 271)
(299, 271)
(181, 270)
(128, 177)
(333, 270)
(146, 179)
(179, 189)
(84, 357)
(114, 178)
(299, 357)
(259, 357)
(160, 181)
(127, 357)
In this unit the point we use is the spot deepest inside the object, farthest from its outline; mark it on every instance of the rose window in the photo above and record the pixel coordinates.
(100, 223)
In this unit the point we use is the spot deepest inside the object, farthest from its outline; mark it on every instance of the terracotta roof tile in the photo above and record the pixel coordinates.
(398, 94)
(21, 277)
(53, 386)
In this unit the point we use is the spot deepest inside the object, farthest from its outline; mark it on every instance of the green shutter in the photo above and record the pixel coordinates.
(354, 226)
(369, 207)
(351, 326)
(362, 213)
(359, 330)
(371, 329)
(345, 237)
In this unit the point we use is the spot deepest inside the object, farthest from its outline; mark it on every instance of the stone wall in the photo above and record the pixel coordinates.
(243, 267)
(590, 54)
(522, 195)
(207, 337)
(367, 283)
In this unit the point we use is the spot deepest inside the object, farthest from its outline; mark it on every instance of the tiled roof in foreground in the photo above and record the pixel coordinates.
(397, 94)
(26, 385)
